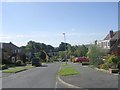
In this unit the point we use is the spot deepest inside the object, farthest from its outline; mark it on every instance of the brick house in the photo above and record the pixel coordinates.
(10, 52)
(111, 42)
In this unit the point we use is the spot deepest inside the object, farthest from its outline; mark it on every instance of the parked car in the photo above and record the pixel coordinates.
(36, 62)
(81, 59)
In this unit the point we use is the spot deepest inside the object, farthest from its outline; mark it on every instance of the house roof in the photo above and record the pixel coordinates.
(116, 35)
(9, 45)
(116, 45)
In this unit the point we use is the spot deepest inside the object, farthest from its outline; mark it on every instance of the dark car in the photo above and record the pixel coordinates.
(36, 62)
(81, 59)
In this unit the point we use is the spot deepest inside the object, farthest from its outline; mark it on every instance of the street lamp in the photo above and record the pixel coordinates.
(65, 47)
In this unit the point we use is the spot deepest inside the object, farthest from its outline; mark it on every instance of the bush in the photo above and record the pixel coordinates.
(115, 59)
(11, 65)
(2, 67)
(103, 66)
(112, 61)
(19, 63)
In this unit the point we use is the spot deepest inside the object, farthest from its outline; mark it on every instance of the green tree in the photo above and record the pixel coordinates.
(62, 54)
(69, 50)
(42, 55)
(94, 54)
(79, 51)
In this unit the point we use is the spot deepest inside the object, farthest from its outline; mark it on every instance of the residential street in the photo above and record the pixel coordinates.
(45, 77)
(40, 77)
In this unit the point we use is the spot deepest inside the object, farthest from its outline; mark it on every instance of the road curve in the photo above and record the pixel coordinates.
(40, 77)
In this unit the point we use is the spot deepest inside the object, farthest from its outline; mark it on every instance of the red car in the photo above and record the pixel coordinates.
(81, 59)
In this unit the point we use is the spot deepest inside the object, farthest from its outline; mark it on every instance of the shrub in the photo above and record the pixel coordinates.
(11, 65)
(112, 61)
(2, 67)
(115, 59)
(103, 66)
(19, 63)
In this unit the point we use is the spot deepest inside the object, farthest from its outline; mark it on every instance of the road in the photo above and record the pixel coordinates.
(40, 77)
(91, 78)
(45, 77)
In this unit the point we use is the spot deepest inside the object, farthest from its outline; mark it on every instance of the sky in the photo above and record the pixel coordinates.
(44, 22)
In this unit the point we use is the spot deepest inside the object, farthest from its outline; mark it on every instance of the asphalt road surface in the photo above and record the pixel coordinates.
(91, 78)
(40, 77)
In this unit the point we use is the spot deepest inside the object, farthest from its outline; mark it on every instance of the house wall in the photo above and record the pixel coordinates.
(104, 44)
(10, 52)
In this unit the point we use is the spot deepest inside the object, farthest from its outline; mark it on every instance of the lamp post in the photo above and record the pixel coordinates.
(65, 47)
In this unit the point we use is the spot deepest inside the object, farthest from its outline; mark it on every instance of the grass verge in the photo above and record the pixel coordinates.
(17, 69)
(29, 67)
(65, 71)
(14, 70)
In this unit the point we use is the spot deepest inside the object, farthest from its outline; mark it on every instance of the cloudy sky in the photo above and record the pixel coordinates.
(83, 22)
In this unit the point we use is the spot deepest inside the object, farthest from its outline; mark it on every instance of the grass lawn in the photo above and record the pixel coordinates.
(65, 71)
(29, 67)
(14, 70)
(18, 69)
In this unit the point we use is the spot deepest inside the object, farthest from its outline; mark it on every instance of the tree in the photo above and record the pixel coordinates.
(29, 46)
(79, 51)
(49, 48)
(94, 54)
(42, 56)
(69, 50)
(63, 46)
(62, 54)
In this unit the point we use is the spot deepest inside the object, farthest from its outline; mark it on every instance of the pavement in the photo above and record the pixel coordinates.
(90, 78)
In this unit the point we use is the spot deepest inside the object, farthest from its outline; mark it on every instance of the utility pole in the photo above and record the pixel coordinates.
(65, 47)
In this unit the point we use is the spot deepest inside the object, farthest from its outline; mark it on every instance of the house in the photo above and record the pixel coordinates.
(111, 42)
(10, 52)
(115, 49)
(105, 43)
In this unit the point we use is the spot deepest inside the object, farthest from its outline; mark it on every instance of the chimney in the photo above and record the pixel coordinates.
(111, 34)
